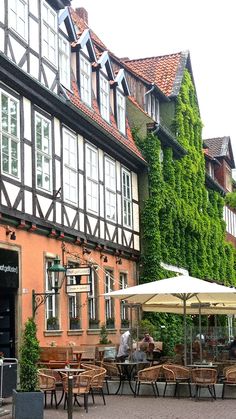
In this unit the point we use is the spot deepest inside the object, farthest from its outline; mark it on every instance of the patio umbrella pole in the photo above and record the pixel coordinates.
(185, 331)
(200, 331)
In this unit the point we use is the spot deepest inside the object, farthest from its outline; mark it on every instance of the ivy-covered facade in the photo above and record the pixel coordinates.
(182, 221)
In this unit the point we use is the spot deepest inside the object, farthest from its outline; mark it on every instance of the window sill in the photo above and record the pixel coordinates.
(53, 332)
(75, 332)
(93, 331)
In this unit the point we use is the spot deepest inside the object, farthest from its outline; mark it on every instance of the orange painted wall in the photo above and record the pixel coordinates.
(32, 248)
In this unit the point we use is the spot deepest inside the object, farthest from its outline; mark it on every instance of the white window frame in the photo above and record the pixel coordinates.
(92, 304)
(91, 154)
(44, 155)
(49, 34)
(64, 61)
(104, 97)
(109, 307)
(73, 302)
(121, 111)
(110, 189)
(19, 21)
(70, 178)
(52, 302)
(127, 198)
(10, 139)
(123, 284)
(85, 79)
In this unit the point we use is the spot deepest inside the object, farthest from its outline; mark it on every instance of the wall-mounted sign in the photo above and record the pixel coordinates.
(9, 268)
(80, 271)
(78, 288)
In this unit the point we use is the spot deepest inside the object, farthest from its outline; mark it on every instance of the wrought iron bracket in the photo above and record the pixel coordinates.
(40, 298)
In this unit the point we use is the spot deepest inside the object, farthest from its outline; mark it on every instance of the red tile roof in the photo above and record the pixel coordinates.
(162, 71)
(94, 112)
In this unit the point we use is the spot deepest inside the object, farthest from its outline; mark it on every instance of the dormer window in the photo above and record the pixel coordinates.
(49, 34)
(18, 17)
(85, 80)
(104, 97)
(120, 111)
(64, 61)
(153, 107)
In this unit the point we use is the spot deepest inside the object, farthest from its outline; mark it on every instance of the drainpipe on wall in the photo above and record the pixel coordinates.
(147, 93)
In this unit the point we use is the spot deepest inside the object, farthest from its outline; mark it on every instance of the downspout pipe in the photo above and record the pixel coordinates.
(147, 93)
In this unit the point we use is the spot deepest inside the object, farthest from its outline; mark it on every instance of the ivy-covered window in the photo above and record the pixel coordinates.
(126, 198)
(43, 152)
(10, 134)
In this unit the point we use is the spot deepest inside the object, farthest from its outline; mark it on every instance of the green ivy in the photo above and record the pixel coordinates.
(182, 222)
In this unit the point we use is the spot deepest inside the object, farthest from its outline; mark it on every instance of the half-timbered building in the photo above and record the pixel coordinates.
(69, 172)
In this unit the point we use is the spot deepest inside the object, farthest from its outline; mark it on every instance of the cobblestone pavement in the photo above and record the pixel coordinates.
(143, 407)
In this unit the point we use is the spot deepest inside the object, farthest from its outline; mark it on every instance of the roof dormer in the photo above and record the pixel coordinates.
(104, 77)
(122, 90)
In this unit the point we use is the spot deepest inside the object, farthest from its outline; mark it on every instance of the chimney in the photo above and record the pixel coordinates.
(82, 13)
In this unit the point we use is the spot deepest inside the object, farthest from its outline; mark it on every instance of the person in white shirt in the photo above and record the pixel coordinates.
(125, 346)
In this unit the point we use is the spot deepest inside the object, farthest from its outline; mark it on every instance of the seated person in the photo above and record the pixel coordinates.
(147, 338)
(140, 354)
(232, 349)
(179, 354)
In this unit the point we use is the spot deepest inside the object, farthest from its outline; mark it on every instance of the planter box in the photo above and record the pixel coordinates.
(27, 405)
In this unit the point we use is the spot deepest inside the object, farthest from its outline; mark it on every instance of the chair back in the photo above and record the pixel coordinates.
(179, 371)
(46, 382)
(230, 376)
(81, 382)
(150, 373)
(98, 378)
(206, 376)
(168, 373)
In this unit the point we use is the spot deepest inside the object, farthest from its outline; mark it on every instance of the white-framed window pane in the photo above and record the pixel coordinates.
(123, 308)
(110, 189)
(9, 131)
(64, 61)
(49, 33)
(92, 179)
(85, 80)
(18, 17)
(104, 97)
(109, 306)
(121, 112)
(43, 152)
(52, 302)
(126, 198)
(110, 205)
(70, 166)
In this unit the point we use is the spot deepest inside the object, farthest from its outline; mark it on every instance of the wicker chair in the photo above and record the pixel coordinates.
(47, 383)
(98, 375)
(176, 375)
(204, 377)
(81, 387)
(112, 373)
(148, 376)
(97, 383)
(230, 379)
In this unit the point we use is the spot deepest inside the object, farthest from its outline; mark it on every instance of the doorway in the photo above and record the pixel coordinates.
(7, 324)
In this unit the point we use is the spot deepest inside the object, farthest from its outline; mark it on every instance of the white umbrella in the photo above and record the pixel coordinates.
(178, 294)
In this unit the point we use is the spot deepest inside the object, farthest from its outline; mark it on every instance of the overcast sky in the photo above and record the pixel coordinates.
(206, 28)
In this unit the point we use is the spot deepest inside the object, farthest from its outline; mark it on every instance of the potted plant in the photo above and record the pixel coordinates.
(27, 401)
(103, 336)
(52, 323)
